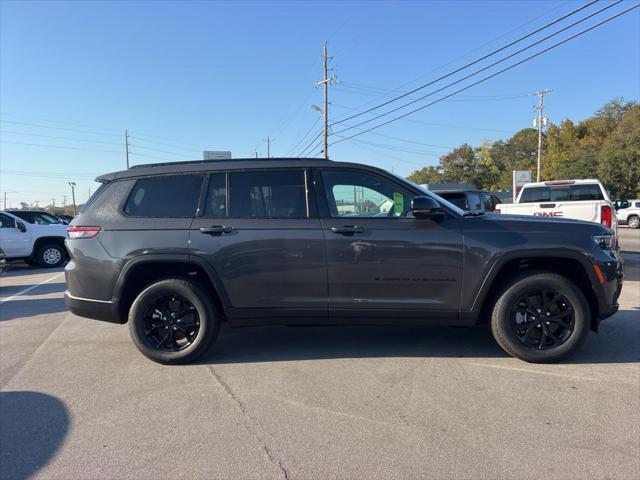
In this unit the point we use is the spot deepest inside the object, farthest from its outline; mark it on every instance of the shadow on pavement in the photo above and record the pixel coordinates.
(616, 343)
(44, 289)
(33, 427)
(31, 307)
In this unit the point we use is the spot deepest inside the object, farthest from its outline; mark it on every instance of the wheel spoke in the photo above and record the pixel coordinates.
(543, 339)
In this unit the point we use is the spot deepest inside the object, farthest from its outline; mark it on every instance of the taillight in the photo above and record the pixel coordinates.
(83, 232)
(496, 210)
(605, 215)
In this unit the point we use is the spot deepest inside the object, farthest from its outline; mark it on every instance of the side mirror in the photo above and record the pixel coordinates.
(424, 207)
(21, 226)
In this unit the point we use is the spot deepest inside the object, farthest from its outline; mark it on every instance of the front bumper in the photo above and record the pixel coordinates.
(610, 285)
(106, 311)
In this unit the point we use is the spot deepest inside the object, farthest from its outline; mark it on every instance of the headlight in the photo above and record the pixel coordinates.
(605, 242)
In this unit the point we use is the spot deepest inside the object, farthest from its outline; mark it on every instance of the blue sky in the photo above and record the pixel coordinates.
(185, 76)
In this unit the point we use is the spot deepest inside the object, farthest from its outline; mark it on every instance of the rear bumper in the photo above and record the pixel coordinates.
(106, 311)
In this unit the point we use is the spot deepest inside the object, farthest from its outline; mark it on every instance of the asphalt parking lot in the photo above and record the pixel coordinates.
(79, 401)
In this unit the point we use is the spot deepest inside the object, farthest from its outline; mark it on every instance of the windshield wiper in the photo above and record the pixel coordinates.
(469, 213)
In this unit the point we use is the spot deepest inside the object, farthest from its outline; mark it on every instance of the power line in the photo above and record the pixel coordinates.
(310, 145)
(493, 74)
(304, 137)
(59, 138)
(478, 71)
(58, 146)
(60, 128)
(573, 12)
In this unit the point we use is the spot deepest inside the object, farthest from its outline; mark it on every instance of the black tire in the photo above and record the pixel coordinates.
(182, 346)
(633, 221)
(50, 255)
(560, 301)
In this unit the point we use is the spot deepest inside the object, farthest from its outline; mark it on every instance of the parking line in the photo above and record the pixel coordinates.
(28, 289)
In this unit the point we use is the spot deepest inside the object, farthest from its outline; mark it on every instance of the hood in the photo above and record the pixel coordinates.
(541, 224)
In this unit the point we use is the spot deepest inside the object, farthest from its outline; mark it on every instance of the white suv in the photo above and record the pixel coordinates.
(631, 214)
(36, 244)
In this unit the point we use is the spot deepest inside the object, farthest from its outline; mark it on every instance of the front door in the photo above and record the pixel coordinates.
(380, 259)
(13, 241)
(257, 230)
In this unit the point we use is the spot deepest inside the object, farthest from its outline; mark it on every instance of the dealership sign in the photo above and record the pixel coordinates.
(520, 177)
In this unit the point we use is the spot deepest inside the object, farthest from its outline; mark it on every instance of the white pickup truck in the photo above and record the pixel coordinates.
(36, 244)
(579, 199)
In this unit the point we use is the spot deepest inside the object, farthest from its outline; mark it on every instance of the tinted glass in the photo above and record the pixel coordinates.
(216, 204)
(637, 204)
(43, 218)
(26, 216)
(473, 199)
(459, 199)
(561, 194)
(362, 194)
(267, 194)
(586, 192)
(166, 196)
(490, 202)
(7, 221)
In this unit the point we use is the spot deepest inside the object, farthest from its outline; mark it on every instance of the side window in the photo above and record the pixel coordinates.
(165, 196)
(637, 204)
(216, 204)
(490, 202)
(473, 198)
(267, 194)
(7, 221)
(362, 194)
(42, 218)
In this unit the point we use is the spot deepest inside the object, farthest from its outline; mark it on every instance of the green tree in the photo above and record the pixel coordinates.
(429, 174)
(619, 166)
(460, 166)
(489, 170)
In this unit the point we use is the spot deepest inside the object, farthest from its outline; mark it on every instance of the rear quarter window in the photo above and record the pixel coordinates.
(175, 196)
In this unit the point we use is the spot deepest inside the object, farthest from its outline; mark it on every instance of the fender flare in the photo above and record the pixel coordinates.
(176, 258)
(583, 258)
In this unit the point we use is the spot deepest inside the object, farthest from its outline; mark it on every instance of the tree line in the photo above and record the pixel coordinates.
(605, 146)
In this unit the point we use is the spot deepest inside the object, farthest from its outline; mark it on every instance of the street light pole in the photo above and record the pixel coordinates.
(73, 197)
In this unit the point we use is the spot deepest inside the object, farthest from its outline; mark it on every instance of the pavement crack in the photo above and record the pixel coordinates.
(251, 424)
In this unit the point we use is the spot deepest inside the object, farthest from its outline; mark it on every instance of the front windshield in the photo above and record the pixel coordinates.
(441, 200)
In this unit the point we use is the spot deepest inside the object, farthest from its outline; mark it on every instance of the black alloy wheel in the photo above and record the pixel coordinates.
(171, 323)
(543, 319)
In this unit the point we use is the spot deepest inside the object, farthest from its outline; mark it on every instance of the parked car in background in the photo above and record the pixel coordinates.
(38, 217)
(3, 262)
(176, 249)
(628, 213)
(579, 199)
(38, 243)
(471, 200)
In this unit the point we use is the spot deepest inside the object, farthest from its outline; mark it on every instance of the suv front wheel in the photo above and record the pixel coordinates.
(540, 317)
(173, 321)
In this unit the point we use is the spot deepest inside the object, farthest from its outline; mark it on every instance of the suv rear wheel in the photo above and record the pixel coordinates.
(50, 255)
(633, 221)
(540, 317)
(173, 321)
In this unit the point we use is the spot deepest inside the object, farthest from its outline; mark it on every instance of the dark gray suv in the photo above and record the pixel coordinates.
(176, 249)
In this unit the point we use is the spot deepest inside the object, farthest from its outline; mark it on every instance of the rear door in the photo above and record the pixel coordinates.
(259, 231)
(380, 260)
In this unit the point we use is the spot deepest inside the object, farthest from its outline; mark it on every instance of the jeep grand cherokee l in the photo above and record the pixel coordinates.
(176, 249)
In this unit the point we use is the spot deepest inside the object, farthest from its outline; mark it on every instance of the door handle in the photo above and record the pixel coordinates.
(216, 230)
(347, 229)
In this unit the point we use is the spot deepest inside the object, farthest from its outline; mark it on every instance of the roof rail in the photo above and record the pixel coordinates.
(195, 162)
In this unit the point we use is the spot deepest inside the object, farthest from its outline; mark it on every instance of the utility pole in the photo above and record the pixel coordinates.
(325, 82)
(73, 196)
(269, 140)
(64, 204)
(126, 147)
(540, 122)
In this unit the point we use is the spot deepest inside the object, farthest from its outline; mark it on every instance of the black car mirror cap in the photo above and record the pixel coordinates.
(424, 207)
(21, 226)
